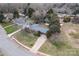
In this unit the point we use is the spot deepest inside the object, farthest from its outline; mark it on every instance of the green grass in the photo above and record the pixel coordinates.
(26, 38)
(59, 44)
(11, 29)
(6, 24)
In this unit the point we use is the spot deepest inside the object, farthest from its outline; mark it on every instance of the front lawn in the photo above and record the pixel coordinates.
(11, 29)
(26, 38)
(6, 24)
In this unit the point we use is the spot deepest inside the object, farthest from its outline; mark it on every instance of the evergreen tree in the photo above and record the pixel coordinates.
(15, 14)
(50, 11)
(1, 16)
(26, 9)
(54, 24)
(30, 12)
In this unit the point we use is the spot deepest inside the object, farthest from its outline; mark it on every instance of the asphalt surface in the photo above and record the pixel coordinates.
(10, 47)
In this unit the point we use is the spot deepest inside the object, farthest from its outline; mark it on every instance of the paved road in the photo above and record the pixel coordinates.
(11, 48)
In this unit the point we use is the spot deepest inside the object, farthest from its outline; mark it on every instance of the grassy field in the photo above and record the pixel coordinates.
(11, 29)
(26, 38)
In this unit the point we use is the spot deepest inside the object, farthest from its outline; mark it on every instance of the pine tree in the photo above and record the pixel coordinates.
(54, 24)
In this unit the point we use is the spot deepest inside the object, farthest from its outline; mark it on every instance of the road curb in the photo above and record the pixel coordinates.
(29, 49)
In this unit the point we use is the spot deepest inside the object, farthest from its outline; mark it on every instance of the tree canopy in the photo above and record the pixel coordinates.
(54, 24)
(30, 12)
(15, 14)
(49, 11)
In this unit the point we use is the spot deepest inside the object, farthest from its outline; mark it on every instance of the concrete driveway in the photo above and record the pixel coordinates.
(40, 41)
(11, 48)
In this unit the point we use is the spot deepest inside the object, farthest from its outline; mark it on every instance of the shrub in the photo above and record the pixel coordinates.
(55, 28)
(48, 34)
(66, 19)
(37, 33)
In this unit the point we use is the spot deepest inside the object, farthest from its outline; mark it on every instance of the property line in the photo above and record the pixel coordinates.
(9, 26)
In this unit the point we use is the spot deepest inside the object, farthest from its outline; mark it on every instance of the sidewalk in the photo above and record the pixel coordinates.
(14, 33)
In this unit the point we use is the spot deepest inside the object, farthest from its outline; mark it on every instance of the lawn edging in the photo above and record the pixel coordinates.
(29, 49)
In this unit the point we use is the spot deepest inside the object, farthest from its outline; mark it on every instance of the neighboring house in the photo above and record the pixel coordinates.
(19, 21)
(8, 16)
(20, 10)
